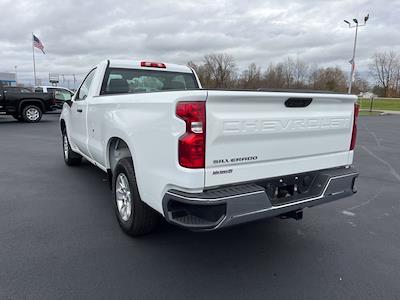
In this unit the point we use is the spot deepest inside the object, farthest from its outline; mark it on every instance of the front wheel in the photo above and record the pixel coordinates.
(70, 157)
(31, 114)
(134, 216)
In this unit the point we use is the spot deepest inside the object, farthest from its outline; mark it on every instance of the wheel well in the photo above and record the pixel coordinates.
(25, 103)
(117, 149)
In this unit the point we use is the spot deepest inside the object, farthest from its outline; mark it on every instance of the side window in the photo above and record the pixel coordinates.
(39, 90)
(84, 89)
(62, 95)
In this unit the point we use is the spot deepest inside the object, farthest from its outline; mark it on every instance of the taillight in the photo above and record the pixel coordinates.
(354, 132)
(191, 146)
(152, 64)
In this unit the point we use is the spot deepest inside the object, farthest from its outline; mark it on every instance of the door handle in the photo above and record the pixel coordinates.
(79, 110)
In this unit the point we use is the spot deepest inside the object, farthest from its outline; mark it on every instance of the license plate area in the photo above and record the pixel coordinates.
(292, 188)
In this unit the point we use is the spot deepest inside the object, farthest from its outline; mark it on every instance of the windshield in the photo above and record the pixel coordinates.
(118, 81)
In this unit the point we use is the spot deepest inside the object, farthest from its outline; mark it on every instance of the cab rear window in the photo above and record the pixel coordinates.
(121, 81)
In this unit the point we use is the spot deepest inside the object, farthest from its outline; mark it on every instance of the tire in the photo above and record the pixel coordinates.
(19, 118)
(71, 158)
(134, 216)
(32, 114)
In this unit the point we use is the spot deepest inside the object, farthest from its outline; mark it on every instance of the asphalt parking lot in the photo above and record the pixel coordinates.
(59, 237)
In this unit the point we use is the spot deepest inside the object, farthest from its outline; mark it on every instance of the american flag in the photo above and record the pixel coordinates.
(37, 43)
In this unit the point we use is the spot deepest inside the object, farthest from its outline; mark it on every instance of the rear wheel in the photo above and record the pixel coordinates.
(134, 216)
(31, 114)
(71, 158)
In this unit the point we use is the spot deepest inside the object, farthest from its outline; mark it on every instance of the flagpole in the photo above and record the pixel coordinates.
(34, 64)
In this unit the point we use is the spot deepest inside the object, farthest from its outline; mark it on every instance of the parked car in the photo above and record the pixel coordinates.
(61, 94)
(24, 104)
(207, 159)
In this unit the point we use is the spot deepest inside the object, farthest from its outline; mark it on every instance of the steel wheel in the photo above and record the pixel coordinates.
(123, 197)
(134, 216)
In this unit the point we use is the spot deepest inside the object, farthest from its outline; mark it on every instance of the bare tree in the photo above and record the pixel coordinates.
(288, 71)
(194, 66)
(384, 67)
(332, 79)
(204, 75)
(251, 77)
(396, 80)
(222, 68)
(274, 76)
(295, 72)
(216, 70)
(300, 72)
(360, 84)
(313, 75)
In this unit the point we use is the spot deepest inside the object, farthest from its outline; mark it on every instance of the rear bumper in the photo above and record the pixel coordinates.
(227, 206)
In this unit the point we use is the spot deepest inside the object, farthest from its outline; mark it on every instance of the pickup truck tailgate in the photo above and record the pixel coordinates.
(256, 135)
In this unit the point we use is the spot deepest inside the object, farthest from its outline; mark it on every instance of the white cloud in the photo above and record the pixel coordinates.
(78, 34)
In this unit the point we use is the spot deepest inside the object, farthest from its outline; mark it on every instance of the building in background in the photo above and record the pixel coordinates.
(8, 79)
(54, 78)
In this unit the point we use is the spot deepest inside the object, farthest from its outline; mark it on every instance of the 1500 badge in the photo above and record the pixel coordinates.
(234, 160)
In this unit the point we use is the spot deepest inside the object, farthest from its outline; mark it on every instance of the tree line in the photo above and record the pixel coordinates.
(219, 70)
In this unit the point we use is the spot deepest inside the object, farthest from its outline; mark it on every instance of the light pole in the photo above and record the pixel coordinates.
(16, 75)
(352, 61)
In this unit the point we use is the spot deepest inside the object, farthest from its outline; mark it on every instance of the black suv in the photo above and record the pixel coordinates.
(25, 105)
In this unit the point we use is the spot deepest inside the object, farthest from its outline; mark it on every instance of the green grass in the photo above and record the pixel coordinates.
(381, 104)
(368, 113)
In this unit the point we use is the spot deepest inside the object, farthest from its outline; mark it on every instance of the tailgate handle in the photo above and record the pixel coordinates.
(298, 102)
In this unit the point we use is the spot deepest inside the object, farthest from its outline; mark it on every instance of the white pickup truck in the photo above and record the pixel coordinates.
(207, 159)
